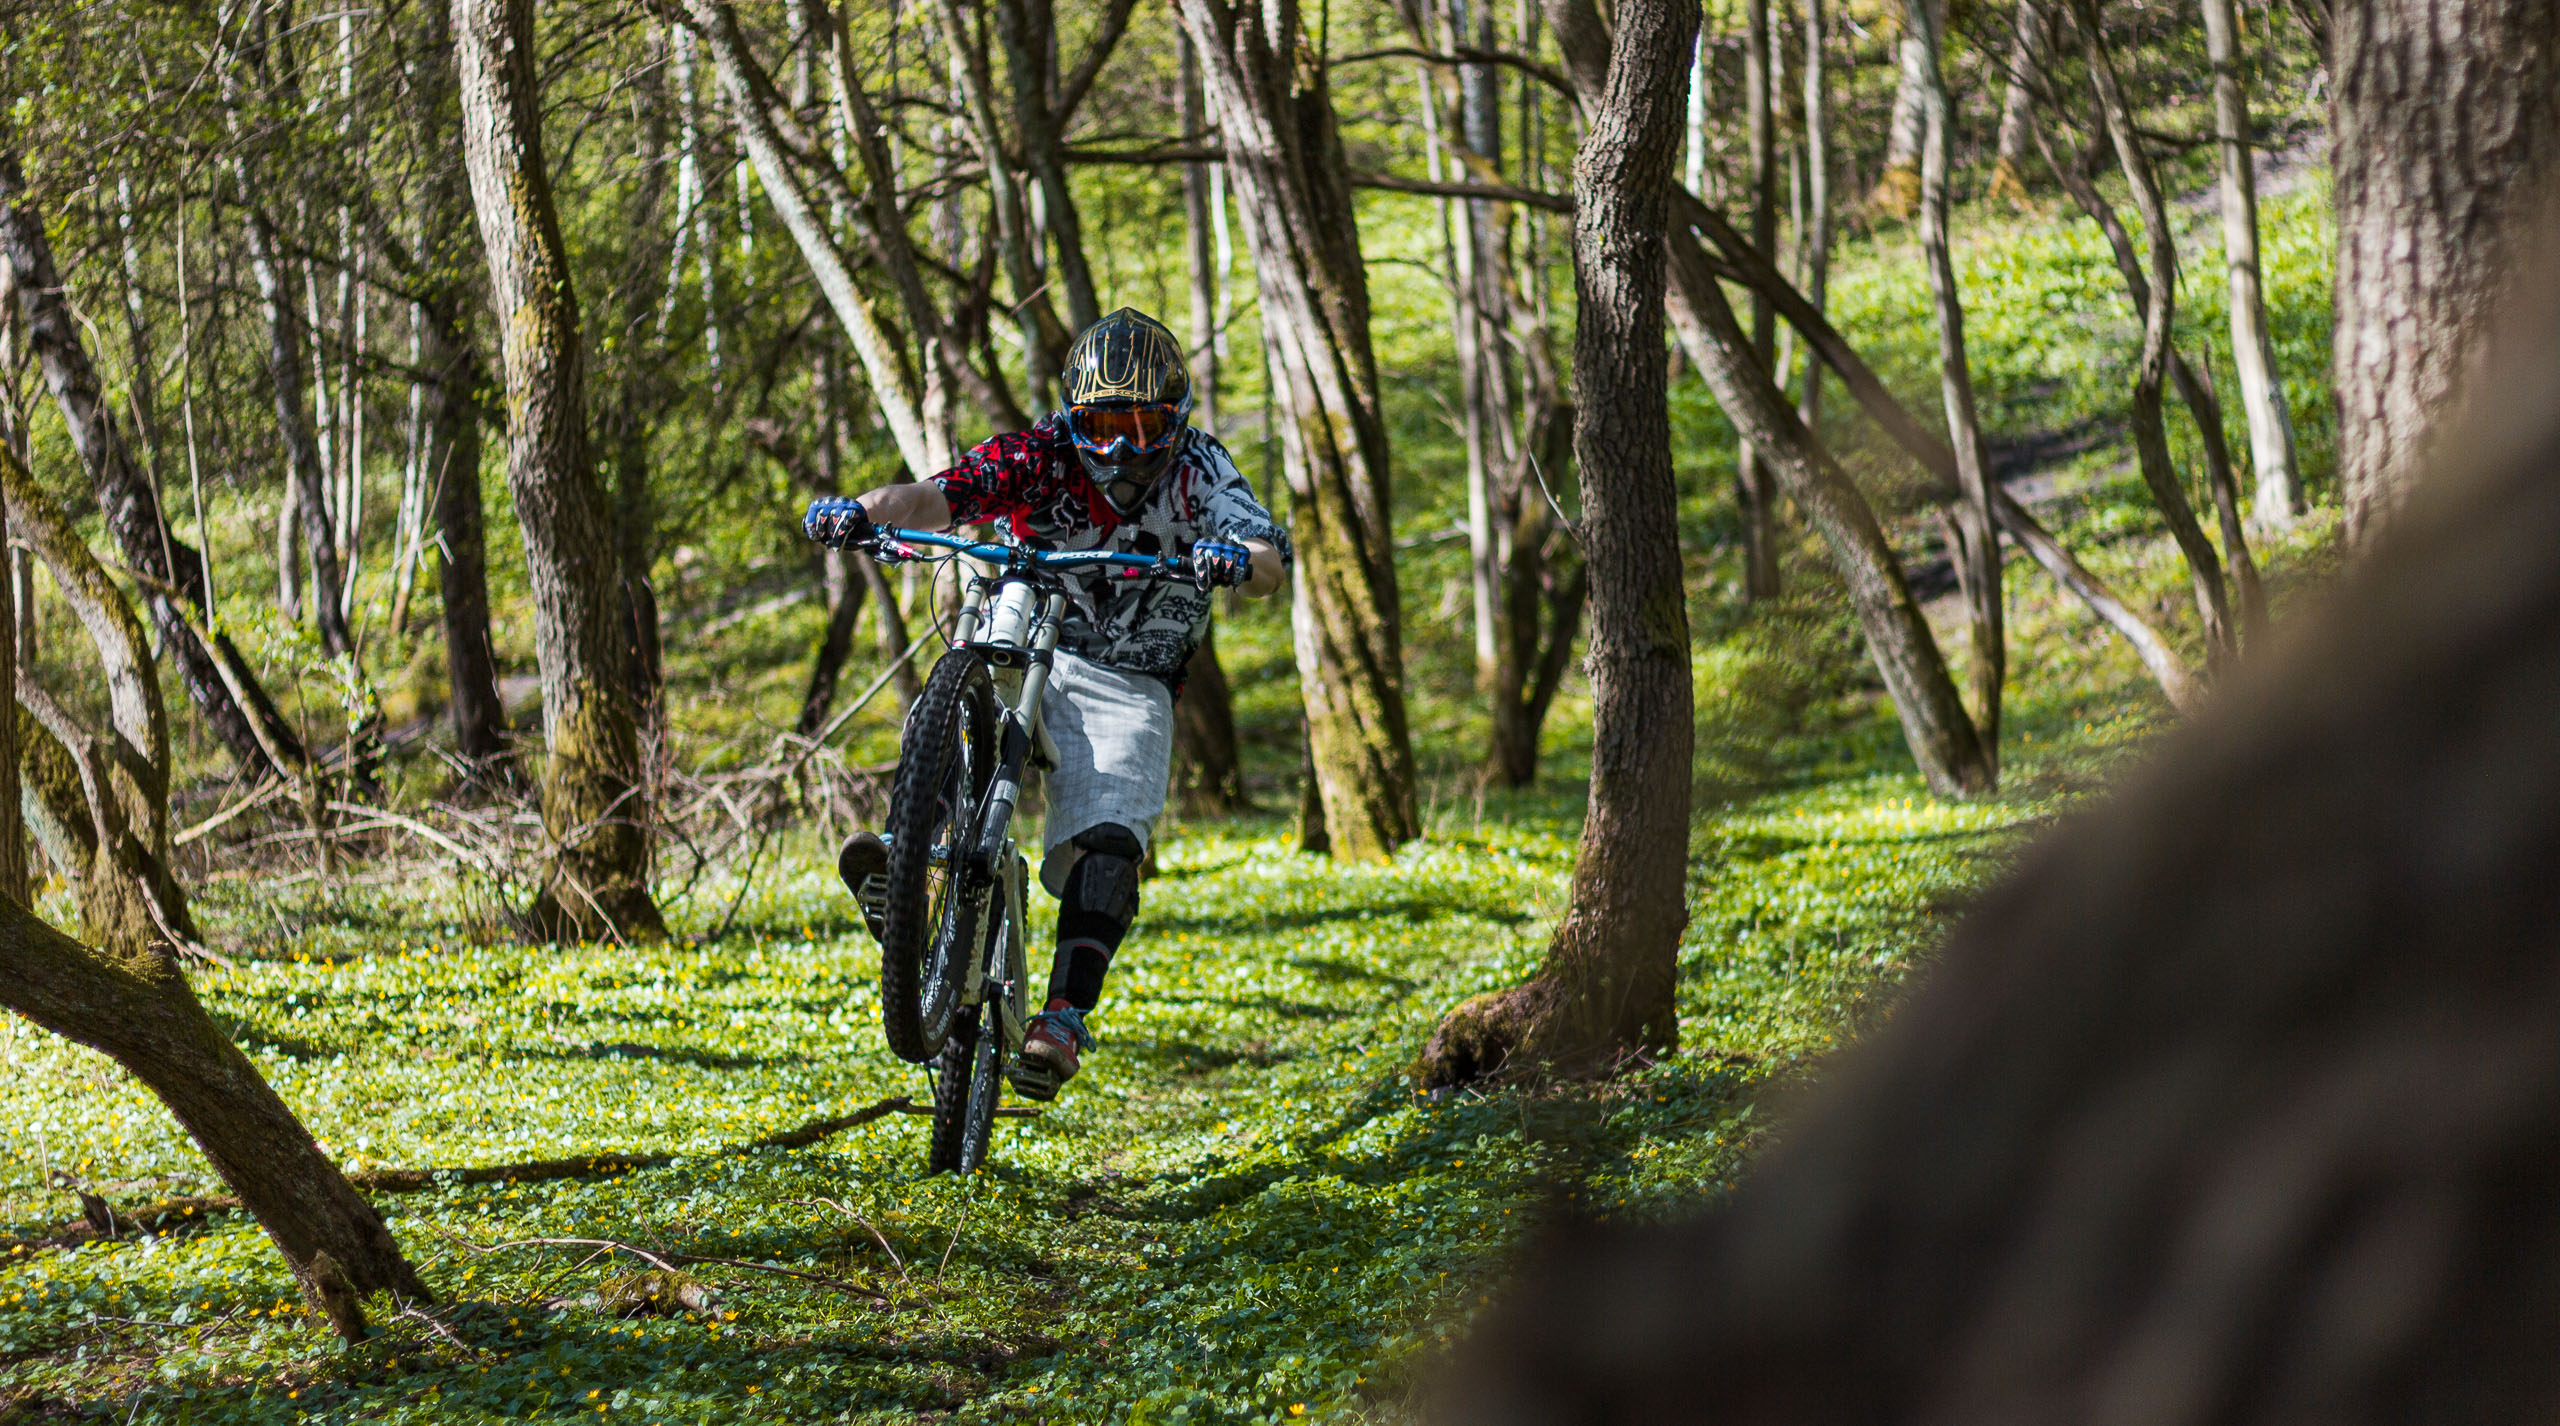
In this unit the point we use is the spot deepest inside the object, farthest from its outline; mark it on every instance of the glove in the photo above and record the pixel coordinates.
(837, 523)
(1221, 565)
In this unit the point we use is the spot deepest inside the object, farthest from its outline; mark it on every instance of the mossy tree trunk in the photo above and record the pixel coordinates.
(137, 1009)
(1268, 89)
(593, 802)
(105, 795)
(1604, 994)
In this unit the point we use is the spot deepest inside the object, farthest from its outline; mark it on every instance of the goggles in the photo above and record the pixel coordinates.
(1124, 430)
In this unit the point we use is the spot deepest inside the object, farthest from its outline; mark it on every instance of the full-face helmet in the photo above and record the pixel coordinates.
(1128, 397)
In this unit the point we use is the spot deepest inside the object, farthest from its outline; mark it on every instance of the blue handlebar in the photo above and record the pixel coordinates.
(1046, 559)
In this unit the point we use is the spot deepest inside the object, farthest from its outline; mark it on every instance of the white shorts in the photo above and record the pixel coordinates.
(1114, 733)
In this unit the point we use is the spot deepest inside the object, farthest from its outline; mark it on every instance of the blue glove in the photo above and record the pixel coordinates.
(836, 523)
(1221, 565)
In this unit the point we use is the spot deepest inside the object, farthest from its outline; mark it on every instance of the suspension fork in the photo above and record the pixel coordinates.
(1020, 724)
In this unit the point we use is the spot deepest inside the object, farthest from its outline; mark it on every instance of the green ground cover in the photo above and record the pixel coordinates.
(1242, 1211)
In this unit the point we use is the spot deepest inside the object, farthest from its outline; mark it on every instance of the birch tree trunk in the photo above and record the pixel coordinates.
(593, 802)
(1897, 190)
(303, 464)
(1284, 157)
(2446, 123)
(1817, 177)
(1604, 995)
(2253, 348)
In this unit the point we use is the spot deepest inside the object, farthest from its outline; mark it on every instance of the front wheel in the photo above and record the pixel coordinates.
(945, 761)
(964, 1095)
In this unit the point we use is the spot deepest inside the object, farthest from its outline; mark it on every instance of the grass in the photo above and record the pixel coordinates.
(1240, 1209)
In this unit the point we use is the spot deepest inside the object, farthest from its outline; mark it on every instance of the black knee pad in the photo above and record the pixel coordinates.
(1104, 881)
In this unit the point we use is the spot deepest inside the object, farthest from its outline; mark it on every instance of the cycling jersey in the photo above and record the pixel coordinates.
(1034, 483)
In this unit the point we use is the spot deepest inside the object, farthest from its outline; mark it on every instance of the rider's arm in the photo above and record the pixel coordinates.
(1270, 569)
(917, 505)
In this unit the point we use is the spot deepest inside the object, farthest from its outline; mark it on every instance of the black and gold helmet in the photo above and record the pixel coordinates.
(1128, 394)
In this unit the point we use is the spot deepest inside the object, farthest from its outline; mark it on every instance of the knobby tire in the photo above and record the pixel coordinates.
(945, 760)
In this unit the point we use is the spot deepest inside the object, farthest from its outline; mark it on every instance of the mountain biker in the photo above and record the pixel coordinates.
(1118, 468)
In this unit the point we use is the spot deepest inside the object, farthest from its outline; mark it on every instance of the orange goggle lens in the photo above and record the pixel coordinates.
(1144, 428)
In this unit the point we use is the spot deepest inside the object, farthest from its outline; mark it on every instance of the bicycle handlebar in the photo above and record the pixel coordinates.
(891, 536)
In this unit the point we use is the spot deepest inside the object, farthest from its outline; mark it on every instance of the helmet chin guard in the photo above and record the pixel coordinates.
(1127, 484)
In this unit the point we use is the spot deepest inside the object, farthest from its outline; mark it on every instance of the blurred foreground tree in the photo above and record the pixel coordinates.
(2234, 1104)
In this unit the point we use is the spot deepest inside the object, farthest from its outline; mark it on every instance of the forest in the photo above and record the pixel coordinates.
(1905, 766)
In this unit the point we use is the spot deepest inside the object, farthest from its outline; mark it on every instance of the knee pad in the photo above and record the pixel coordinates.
(1104, 881)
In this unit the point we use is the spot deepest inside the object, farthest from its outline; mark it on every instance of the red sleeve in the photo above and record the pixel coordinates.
(998, 476)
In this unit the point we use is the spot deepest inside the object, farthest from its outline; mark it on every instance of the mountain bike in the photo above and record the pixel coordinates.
(955, 978)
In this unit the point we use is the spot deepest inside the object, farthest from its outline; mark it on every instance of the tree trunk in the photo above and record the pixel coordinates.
(1204, 269)
(2446, 123)
(1754, 490)
(1975, 546)
(1028, 30)
(1544, 587)
(139, 1011)
(172, 568)
(2253, 348)
(132, 1003)
(302, 457)
(1284, 157)
(1816, 243)
(593, 803)
(471, 659)
(2018, 99)
(845, 590)
(1604, 995)
(119, 838)
(1208, 769)
(1897, 190)
(1044, 337)
(2150, 425)
(2233, 1104)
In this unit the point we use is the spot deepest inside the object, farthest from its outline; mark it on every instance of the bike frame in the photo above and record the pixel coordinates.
(989, 862)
